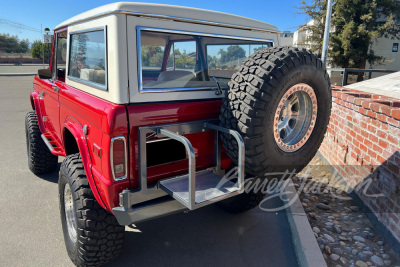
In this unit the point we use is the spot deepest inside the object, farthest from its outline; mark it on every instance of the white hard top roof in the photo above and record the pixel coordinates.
(178, 13)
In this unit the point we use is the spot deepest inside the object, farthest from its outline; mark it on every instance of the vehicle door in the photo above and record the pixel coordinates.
(50, 102)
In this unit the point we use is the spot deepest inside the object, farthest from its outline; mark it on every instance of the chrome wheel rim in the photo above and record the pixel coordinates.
(70, 215)
(295, 117)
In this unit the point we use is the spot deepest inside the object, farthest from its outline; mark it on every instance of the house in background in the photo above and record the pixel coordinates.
(300, 37)
(286, 38)
(386, 47)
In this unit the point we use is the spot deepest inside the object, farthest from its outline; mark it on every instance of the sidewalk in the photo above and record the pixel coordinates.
(387, 85)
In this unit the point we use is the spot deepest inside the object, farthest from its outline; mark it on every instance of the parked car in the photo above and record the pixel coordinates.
(160, 109)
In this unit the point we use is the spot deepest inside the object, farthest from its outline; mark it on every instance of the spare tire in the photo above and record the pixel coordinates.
(280, 102)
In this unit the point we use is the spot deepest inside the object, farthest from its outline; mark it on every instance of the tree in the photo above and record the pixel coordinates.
(356, 25)
(37, 52)
(11, 44)
(234, 52)
(23, 46)
(184, 60)
(212, 61)
(8, 43)
(315, 28)
(152, 56)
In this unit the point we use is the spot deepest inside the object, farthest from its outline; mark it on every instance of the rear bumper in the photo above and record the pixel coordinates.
(186, 192)
(160, 208)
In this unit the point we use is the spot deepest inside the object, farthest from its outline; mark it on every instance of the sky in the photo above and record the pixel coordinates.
(33, 14)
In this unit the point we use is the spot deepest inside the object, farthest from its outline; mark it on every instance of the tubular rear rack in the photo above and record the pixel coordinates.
(193, 190)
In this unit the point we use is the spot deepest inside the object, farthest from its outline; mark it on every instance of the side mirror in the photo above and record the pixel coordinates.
(44, 73)
(61, 73)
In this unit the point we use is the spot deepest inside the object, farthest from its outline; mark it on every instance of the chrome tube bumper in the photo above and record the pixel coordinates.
(186, 192)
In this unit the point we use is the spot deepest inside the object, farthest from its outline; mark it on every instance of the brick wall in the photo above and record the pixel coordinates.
(363, 145)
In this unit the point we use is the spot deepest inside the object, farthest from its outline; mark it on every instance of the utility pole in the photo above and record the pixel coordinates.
(326, 33)
(41, 35)
(47, 30)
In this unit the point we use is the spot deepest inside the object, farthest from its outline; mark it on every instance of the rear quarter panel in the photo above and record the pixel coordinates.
(104, 120)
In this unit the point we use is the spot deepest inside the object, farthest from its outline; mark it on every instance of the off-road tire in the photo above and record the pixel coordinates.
(40, 159)
(255, 91)
(99, 237)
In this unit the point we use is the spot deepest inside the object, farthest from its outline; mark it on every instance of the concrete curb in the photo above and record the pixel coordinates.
(17, 74)
(305, 245)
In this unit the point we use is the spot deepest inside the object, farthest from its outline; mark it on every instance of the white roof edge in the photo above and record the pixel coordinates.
(178, 13)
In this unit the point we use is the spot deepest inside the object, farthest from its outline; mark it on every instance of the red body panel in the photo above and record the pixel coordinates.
(71, 109)
(167, 113)
(106, 120)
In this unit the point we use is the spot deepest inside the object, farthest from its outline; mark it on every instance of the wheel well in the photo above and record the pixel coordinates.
(71, 146)
(32, 103)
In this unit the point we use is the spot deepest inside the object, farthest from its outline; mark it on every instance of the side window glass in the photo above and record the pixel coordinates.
(152, 56)
(183, 56)
(61, 55)
(87, 61)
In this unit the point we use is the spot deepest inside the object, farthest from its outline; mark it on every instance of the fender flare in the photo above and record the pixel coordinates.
(35, 99)
(75, 129)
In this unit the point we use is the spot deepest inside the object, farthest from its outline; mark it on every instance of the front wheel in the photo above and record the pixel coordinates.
(92, 235)
(40, 159)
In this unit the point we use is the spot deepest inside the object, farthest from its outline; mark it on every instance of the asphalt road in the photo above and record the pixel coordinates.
(27, 68)
(30, 228)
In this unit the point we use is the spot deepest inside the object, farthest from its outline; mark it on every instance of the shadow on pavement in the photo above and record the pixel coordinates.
(210, 237)
(52, 176)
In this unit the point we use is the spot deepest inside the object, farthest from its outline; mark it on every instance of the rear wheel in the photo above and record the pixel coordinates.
(92, 235)
(40, 159)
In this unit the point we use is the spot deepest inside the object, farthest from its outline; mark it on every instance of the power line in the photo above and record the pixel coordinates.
(18, 25)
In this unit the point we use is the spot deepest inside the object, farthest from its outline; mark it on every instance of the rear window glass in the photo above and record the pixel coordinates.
(179, 61)
(224, 60)
(87, 60)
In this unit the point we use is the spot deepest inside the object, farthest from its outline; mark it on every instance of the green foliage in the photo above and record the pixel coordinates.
(11, 44)
(355, 25)
(37, 52)
(152, 56)
(234, 52)
(184, 60)
(23, 46)
(212, 62)
(315, 30)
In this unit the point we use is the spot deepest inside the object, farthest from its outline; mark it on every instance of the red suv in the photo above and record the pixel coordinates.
(160, 109)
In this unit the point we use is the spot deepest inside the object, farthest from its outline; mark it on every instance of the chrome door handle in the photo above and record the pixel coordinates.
(56, 88)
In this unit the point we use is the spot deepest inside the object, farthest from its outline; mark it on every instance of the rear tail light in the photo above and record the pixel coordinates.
(118, 158)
